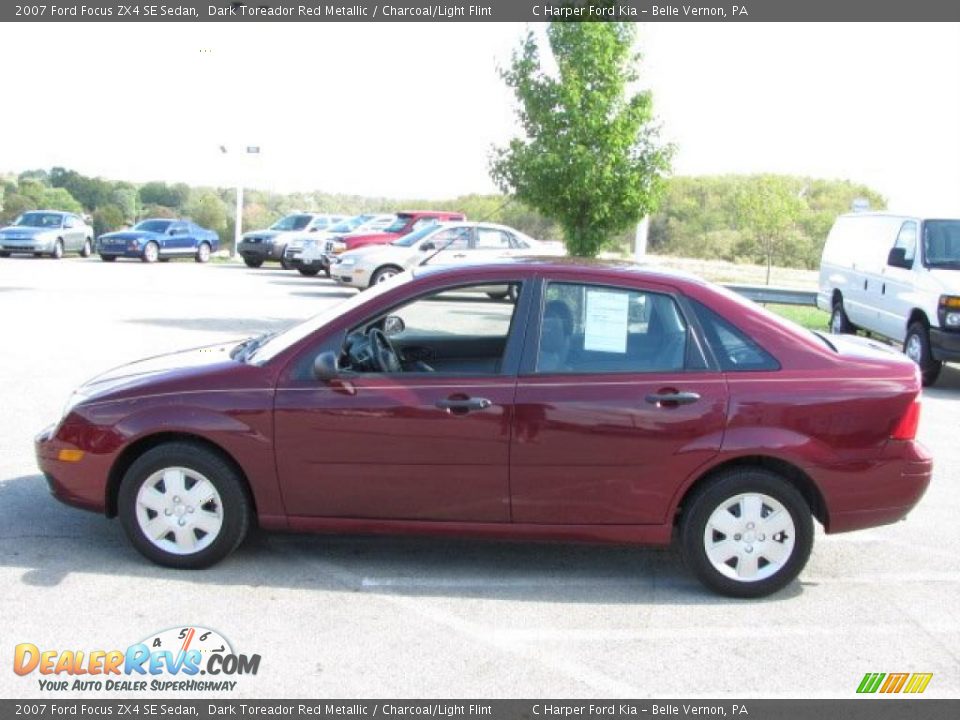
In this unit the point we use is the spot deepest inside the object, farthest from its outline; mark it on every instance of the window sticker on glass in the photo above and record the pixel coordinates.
(605, 326)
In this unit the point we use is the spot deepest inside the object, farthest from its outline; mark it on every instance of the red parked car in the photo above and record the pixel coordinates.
(608, 403)
(406, 223)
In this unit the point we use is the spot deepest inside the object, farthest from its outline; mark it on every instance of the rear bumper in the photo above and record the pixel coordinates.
(945, 345)
(881, 494)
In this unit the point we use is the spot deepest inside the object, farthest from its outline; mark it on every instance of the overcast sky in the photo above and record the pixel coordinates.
(411, 110)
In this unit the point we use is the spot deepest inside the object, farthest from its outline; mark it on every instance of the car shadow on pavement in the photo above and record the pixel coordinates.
(243, 327)
(947, 385)
(50, 541)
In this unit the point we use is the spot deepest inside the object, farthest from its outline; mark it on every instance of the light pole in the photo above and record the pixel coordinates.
(238, 217)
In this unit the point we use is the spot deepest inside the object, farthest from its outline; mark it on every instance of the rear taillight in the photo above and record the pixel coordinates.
(906, 427)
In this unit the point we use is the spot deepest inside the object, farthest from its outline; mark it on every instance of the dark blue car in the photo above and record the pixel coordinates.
(159, 239)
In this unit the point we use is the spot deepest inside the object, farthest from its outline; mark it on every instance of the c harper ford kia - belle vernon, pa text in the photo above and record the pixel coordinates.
(607, 402)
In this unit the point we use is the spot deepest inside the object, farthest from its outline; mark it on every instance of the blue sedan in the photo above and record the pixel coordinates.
(159, 239)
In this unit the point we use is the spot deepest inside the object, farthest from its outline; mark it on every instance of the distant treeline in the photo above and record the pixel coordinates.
(742, 218)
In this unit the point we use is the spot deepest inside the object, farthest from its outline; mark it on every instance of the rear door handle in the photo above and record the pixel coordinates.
(671, 399)
(460, 406)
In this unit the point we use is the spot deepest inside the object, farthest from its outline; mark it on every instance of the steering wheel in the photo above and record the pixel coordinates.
(385, 355)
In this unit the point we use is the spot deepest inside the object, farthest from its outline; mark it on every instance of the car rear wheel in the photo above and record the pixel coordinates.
(747, 533)
(383, 274)
(203, 253)
(151, 252)
(253, 262)
(87, 249)
(183, 506)
(284, 263)
(57, 250)
(916, 346)
(308, 271)
(839, 323)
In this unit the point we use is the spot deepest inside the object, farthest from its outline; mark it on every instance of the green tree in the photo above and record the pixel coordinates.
(108, 218)
(14, 204)
(208, 210)
(590, 156)
(768, 209)
(60, 199)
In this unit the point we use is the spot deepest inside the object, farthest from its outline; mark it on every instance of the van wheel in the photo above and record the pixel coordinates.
(747, 533)
(916, 346)
(183, 506)
(839, 322)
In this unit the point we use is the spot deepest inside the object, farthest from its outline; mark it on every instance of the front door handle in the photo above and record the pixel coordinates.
(461, 406)
(672, 399)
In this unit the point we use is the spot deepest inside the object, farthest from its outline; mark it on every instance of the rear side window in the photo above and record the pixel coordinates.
(734, 350)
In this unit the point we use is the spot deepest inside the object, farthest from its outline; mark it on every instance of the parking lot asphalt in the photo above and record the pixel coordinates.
(386, 617)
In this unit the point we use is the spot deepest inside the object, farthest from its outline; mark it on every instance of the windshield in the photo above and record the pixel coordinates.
(276, 344)
(413, 238)
(154, 226)
(399, 224)
(350, 224)
(941, 243)
(40, 219)
(292, 222)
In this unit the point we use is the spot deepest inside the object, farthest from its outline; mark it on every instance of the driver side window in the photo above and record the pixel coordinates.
(463, 331)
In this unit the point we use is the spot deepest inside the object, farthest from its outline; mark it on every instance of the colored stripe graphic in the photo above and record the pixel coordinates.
(870, 682)
(894, 683)
(918, 682)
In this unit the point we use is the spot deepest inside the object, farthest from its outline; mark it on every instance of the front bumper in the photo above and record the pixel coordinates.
(261, 251)
(945, 345)
(25, 246)
(81, 483)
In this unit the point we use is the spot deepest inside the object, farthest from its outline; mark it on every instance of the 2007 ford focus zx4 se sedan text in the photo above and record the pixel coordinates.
(608, 403)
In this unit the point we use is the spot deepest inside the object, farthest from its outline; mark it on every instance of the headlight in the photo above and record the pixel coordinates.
(948, 311)
(339, 247)
(347, 262)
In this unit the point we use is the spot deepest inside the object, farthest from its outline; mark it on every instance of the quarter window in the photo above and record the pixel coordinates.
(596, 329)
(734, 350)
(907, 239)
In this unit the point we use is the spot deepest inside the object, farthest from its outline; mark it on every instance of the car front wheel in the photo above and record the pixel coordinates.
(308, 271)
(916, 346)
(57, 250)
(747, 533)
(151, 252)
(203, 253)
(839, 323)
(87, 249)
(253, 262)
(183, 506)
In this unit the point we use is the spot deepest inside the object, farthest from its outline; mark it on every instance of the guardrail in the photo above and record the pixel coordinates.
(780, 296)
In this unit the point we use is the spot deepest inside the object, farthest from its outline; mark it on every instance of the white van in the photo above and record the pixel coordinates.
(897, 276)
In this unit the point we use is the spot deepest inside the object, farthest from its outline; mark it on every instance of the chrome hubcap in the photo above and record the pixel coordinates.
(204, 252)
(749, 537)
(914, 349)
(384, 276)
(151, 252)
(179, 510)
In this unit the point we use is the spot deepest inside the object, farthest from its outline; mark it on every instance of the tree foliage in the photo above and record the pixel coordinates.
(590, 157)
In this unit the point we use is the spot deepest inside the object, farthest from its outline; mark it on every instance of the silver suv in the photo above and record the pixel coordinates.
(259, 246)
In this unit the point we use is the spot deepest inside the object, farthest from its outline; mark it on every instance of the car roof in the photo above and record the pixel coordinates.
(595, 268)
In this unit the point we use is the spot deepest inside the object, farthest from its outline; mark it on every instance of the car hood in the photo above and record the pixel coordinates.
(382, 253)
(947, 278)
(129, 235)
(381, 237)
(143, 376)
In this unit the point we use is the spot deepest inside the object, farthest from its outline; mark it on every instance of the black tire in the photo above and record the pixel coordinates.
(57, 253)
(383, 273)
(308, 270)
(4, 254)
(38, 254)
(108, 258)
(724, 488)
(148, 255)
(203, 253)
(253, 262)
(326, 271)
(285, 264)
(916, 345)
(235, 509)
(87, 249)
(163, 259)
(497, 296)
(839, 322)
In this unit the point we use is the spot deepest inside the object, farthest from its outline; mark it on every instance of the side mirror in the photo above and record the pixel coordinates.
(393, 325)
(326, 366)
(898, 258)
(427, 246)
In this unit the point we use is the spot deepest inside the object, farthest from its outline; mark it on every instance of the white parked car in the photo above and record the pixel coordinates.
(897, 276)
(441, 244)
(306, 253)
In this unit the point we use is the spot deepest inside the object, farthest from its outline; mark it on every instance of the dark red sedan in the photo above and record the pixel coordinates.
(609, 403)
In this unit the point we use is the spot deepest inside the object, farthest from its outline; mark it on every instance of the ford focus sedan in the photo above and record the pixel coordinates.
(609, 403)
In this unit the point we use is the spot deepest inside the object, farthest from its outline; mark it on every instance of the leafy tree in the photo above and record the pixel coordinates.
(209, 211)
(159, 193)
(60, 199)
(14, 204)
(590, 156)
(108, 218)
(768, 210)
(40, 175)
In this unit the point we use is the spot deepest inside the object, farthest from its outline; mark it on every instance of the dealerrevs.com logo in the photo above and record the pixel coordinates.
(909, 683)
(175, 660)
